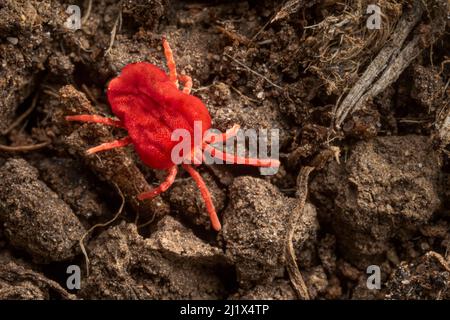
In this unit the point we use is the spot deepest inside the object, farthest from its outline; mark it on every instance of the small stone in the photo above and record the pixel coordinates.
(13, 40)
(260, 95)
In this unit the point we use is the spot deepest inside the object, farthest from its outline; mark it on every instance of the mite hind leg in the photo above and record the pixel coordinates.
(172, 172)
(205, 195)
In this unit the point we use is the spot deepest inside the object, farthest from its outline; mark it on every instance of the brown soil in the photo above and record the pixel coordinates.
(366, 110)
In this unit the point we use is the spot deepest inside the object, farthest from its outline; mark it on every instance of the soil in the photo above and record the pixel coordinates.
(368, 111)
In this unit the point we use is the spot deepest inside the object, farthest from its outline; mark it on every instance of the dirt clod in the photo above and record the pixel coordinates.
(29, 23)
(426, 278)
(18, 281)
(386, 185)
(276, 290)
(255, 229)
(35, 218)
(171, 264)
(69, 181)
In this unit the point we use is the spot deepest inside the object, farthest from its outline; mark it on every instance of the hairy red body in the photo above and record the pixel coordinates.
(151, 107)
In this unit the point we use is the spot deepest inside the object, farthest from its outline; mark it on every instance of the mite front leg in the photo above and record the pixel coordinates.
(173, 76)
(95, 119)
(187, 83)
(170, 61)
(231, 158)
(110, 145)
(172, 172)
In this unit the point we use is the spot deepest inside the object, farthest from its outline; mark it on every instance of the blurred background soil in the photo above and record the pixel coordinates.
(372, 108)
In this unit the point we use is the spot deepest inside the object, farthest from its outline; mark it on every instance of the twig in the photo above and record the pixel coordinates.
(440, 259)
(23, 115)
(89, 94)
(81, 241)
(252, 71)
(24, 148)
(145, 223)
(290, 7)
(234, 36)
(446, 86)
(113, 31)
(391, 62)
(260, 30)
(381, 71)
(443, 126)
(291, 261)
(51, 93)
(243, 95)
(34, 276)
(443, 63)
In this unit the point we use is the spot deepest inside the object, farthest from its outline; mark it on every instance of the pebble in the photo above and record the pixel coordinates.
(13, 40)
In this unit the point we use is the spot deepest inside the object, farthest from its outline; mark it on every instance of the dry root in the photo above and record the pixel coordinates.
(395, 57)
(99, 225)
(341, 44)
(291, 261)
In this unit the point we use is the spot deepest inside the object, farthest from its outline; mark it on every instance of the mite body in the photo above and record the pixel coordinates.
(149, 106)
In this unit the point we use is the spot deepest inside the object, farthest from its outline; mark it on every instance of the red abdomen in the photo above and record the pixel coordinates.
(151, 108)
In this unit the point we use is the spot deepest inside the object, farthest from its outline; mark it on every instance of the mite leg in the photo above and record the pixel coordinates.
(95, 119)
(110, 145)
(221, 137)
(240, 160)
(172, 172)
(187, 83)
(205, 195)
(170, 62)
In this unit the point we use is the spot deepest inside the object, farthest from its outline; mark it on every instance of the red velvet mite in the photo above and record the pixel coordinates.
(149, 105)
